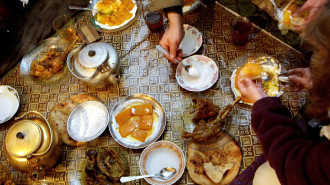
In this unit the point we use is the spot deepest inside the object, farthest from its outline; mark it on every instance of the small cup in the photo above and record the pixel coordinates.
(154, 20)
(241, 30)
(63, 25)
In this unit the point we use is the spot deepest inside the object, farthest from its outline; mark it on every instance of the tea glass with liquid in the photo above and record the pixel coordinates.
(154, 20)
(241, 29)
(63, 26)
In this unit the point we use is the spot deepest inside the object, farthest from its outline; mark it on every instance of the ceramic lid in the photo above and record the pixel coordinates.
(23, 138)
(93, 55)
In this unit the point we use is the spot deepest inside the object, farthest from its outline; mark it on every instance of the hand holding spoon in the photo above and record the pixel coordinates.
(189, 68)
(165, 173)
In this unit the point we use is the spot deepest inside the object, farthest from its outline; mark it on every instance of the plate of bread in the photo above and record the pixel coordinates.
(214, 167)
(60, 113)
(253, 67)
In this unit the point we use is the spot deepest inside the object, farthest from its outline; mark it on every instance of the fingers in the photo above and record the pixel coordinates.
(297, 79)
(296, 70)
(303, 9)
(174, 49)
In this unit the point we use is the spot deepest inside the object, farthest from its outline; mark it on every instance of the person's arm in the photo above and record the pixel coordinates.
(173, 36)
(296, 158)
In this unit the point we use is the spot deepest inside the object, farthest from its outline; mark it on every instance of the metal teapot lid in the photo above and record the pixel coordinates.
(92, 55)
(23, 138)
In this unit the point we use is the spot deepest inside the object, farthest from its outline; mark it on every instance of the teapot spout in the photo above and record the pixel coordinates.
(114, 79)
(38, 172)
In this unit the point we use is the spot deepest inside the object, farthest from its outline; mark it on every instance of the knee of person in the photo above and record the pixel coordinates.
(265, 175)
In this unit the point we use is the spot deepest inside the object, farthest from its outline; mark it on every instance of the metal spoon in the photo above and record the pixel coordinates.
(266, 77)
(186, 67)
(165, 173)
(80, 8)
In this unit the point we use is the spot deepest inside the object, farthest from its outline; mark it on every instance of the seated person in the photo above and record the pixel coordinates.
(296, 151)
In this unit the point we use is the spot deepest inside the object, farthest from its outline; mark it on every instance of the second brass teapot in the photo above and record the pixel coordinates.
(31, 145)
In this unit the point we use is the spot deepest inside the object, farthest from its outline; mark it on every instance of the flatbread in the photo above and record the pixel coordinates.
(205, 167)
(59, 115)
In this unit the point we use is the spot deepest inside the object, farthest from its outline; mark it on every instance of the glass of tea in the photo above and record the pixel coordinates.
(241, 30)
(63, 26)
(153, 19)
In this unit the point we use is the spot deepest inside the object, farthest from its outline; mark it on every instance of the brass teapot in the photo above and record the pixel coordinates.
(31, 145)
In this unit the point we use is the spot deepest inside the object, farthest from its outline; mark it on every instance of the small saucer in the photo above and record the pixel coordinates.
(159, 155)
(191, 42)
(207, 68)
(9, 103)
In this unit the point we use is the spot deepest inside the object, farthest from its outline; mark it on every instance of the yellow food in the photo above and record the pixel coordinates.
(146, 122)
(129, 127)
(140, 110)
(136, 121)
(123, 116)
(140, 134)
(252, 70)
(113, 12)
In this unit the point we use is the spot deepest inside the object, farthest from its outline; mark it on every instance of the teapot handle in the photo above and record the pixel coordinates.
(32, 112)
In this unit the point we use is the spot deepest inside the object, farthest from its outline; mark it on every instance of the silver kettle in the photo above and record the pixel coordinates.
(96, 64)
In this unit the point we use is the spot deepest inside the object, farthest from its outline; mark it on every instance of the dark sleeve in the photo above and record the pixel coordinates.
(177, 9)
(296, 158)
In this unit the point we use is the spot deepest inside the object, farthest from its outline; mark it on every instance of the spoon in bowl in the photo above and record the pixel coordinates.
(189, 68)
(165, 173)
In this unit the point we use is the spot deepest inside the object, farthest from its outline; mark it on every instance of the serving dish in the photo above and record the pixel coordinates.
(191, 42)
(158, 125)
(39, 51)
(88, 121)
(268, 64)
(186, 9)
(159, 155)
(209, 73)
(9, 103)
(105, 28)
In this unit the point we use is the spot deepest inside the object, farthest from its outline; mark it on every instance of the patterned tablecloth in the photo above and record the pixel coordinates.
(145, 70)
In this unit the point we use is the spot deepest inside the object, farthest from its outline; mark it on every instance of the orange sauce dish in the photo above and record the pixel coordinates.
(114, 12)
(136, 121)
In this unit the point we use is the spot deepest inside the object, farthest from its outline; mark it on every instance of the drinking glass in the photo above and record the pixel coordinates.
(63, 25)
(241, 30)
(153, 19)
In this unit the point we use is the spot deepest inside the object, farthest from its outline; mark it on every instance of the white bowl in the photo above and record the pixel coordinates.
(159, 155)
(9, 103)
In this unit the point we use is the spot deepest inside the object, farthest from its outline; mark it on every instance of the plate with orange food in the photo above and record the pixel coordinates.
(114, 15)
(137, 121)
(253, 67)
(190, 5)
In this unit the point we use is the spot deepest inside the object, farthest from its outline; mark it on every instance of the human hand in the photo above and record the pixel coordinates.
(251, 91)
(314, 6)
(172, 38)
(301, 77)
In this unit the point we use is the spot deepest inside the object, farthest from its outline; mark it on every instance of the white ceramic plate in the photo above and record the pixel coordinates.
(158, 126)
(189, 8)
(191, 42)
(273, 67)
(104, 27)
(159, 155)
(9, 103)
(207, 68)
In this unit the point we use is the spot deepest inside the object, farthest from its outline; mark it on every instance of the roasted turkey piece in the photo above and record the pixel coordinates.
(208, 129)
(110, 164)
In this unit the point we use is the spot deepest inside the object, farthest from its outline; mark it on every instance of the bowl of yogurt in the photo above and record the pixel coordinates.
(205, 67)
(9, 103)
